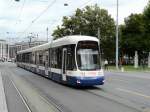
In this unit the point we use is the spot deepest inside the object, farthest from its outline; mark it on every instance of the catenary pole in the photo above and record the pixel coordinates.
(117, 49)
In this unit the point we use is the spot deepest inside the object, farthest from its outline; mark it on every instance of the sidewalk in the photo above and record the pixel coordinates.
(3, 105)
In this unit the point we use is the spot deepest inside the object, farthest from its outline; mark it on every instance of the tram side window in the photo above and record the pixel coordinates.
(41, 58)
(49, 57)
(71, 58)
(45, 58)
(33, 58)
(52, 58)
(36, 58)
(30, 57)
(27, 57)
(56, 57)
(23, 58)
(59, 57)
(19, 59)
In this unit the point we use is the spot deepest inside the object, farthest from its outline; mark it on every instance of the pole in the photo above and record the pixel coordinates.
(149, 60)
(8, 51)
(1, 50)
(117, 50)
(47, 33)
(30, 42)
(99, 36)
(99, 33)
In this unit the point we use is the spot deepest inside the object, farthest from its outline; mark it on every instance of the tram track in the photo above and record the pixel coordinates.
(10, 83)
(62, 108)
(47, 97)
(129, 103)
(113, 100)
(21, 96)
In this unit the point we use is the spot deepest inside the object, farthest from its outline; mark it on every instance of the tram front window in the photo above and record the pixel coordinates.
(88, 55)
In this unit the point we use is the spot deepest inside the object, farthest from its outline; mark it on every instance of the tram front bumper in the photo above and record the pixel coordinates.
(85, 81)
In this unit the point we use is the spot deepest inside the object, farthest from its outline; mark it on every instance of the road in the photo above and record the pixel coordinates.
(28, 92)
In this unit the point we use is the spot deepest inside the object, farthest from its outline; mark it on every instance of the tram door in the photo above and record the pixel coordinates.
(46, 62)
(64, 59)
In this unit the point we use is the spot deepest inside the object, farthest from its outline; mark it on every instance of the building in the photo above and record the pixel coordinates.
(13, 49)
(4, 50)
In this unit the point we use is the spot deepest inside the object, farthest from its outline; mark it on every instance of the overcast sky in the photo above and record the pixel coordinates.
(19, 19)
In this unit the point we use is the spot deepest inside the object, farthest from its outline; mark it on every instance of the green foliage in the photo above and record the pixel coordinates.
(146, 17)
(135, 34)
(86, 22)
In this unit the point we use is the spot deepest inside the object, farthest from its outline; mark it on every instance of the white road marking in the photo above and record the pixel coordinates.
(22, 98)
(35, 97)
(118, 80)
(3, 105)
(135, 76)
(134, 93)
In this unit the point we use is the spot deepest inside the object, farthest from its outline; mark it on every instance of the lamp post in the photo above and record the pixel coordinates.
(8, 45)
(47, 33)
(117, 49)
(65, 4)
(30, 39)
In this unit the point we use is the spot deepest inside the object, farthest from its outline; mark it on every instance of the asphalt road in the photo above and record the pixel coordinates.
(28, 92)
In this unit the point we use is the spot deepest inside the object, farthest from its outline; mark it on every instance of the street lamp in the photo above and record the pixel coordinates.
(30, 39)
(47, 33)
(65, 4)
(117, 49)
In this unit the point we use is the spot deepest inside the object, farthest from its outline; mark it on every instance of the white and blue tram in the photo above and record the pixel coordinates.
(72, 60)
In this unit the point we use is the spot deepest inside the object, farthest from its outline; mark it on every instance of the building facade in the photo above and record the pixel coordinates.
(13, 49)
(4, 50)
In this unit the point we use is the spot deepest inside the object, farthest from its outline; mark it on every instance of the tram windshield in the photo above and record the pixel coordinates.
(88, 57)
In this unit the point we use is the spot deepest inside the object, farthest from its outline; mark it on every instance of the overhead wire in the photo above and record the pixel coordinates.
(33, 21)
(83, 5)
(21, 10)
(50, 5)
(10, 4)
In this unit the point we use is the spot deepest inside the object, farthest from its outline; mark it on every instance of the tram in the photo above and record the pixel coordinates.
(73, 60)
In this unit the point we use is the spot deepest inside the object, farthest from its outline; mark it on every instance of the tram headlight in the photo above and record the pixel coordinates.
(78, 81)
(103, 81)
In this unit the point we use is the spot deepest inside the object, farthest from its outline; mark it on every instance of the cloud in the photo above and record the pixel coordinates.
(16, 17)
(126, 7)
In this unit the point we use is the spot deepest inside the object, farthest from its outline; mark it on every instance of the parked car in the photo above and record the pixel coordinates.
(9, 60)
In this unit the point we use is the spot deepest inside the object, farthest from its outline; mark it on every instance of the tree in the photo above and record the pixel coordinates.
(146, 17)
(135, 34)
(132, 34)
(86, 22)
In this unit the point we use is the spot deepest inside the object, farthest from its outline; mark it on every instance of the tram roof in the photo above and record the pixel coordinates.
(59, 42)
